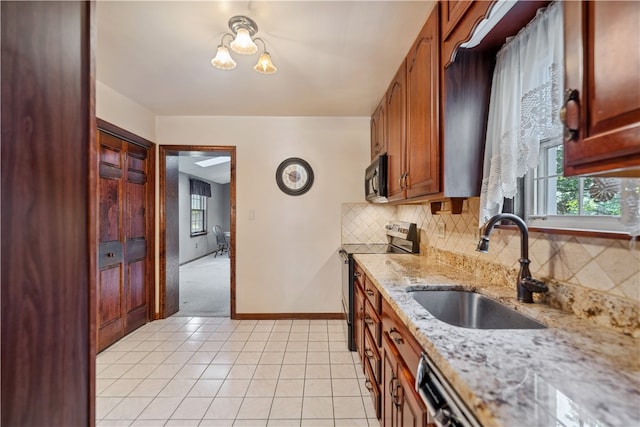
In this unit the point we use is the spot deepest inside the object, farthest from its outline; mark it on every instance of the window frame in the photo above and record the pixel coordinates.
(525, 206)
(203, 201)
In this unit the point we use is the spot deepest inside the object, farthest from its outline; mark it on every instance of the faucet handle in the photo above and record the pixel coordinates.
(533, 285)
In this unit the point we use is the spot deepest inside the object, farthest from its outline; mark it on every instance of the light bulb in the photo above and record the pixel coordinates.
(264, 65)
(243, 43)
(223, 59)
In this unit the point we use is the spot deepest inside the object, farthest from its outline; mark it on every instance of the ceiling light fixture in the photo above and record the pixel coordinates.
(244, 43)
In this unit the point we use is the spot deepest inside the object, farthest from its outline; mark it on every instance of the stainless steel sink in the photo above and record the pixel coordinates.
(472, 310)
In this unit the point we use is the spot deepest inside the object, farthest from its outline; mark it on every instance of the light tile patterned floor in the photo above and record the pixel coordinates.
(196, 371)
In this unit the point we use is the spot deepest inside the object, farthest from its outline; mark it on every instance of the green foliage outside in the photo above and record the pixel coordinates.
(568, 196)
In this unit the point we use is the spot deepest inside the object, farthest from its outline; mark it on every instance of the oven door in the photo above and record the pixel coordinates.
(347, 295)
(443, 404)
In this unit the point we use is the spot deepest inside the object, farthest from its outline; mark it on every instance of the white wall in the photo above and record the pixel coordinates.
(121, 111)
(286, 257)
(217, 214)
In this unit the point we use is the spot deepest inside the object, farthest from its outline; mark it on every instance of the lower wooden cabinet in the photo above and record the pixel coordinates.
(401, 404)
(389, 356)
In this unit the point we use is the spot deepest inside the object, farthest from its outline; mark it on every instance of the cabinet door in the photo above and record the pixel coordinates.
(452, 11)
(358, 316)
(389, 384)
(378, 139)
(423, 136)
(412, 412)
(396, 142)
(602, 62)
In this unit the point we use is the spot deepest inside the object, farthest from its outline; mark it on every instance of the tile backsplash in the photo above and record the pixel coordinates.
(364, 222)
(595, 278)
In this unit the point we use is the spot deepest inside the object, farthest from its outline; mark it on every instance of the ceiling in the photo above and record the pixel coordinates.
(220, 173)
(334, 58)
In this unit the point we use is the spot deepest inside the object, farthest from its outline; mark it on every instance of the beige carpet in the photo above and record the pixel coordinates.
(205, 287)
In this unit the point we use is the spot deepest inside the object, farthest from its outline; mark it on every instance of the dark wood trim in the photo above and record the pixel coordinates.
(151, 236)
(168, 150)
(571, 232)
(121, 133)
(92, 214)
(48, 131)
(294, 316)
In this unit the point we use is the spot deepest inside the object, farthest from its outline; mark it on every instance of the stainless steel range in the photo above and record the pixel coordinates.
(402, 237)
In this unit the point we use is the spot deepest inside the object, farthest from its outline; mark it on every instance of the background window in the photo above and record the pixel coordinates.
(198, 214)
(554, 201)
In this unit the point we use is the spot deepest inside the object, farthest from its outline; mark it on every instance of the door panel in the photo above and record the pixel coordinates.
(136, 297)
(136, 196)
(110, 290)
(110, 248)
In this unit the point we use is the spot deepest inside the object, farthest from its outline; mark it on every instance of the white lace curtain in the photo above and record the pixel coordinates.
(526, 95)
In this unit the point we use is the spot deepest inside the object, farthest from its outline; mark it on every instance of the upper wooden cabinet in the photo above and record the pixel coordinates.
(451, 13)
(459, 20)
(423, 130)
(602, 63)
(412, 119)
(378, 136)
(395, 116)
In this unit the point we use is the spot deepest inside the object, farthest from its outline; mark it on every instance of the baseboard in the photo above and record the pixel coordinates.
(293, 316)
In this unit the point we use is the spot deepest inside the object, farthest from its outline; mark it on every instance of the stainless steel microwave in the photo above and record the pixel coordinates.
(375, 180)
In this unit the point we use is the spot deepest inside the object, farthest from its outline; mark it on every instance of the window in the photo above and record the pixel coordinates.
(551, 200)
(198, 215)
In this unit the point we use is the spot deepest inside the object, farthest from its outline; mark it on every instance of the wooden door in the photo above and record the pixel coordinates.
(48, 197)
(423, 135)
(602, 62)
(124, 264)
(135, 238)
(395, 126)
(110, 289)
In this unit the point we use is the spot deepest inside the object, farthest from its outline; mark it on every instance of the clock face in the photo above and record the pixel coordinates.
(294, 176)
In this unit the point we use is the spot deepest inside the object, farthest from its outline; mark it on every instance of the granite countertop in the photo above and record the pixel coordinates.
(571, 373)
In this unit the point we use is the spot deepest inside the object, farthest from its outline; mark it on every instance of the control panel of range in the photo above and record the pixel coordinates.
(404, 235)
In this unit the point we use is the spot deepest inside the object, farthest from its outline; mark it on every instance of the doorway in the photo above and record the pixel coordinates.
(200, 248)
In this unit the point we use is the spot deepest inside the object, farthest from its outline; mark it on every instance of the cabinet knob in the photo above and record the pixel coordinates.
(368, 320)
(357, 274)
(570, 115)
(369, 292)
(110, 255)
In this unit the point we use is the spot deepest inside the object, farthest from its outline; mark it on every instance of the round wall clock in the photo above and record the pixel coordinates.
(294, 176)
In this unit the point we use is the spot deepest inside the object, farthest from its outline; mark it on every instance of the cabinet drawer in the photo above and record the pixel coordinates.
(373, 388)
(373, 295)
(371, 356)
(396, 331)
(372, 323)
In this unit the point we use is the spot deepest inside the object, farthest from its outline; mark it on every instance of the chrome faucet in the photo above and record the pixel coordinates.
(526, 285)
